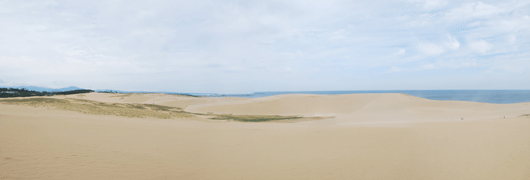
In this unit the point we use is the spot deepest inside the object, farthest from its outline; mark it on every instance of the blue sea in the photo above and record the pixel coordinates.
(486, 96)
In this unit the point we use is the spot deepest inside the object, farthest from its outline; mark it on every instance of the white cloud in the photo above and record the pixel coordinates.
(218, 46)
(449, 43)
(11, 84)
(449, 64)
(394, 69)
(426, 67)
(431, 48)
(430, 4)
(473, 10)
(511, 39)
(480, 46)
(433, 4)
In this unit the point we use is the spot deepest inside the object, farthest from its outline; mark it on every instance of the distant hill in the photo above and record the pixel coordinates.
(22, 92)
(42, 89)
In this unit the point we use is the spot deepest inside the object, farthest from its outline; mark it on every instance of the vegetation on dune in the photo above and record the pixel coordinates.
(525, 115)
(108, 91)
(183, 94)
(157, 107)
(122, 95)
(253, 118)
(134, 110)
(35, 102)
(79, 91)
(100, 108)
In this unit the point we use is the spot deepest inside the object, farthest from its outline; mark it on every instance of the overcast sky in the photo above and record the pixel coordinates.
(246, 46)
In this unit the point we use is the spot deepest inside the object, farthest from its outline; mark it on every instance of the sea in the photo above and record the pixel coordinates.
(486, 96)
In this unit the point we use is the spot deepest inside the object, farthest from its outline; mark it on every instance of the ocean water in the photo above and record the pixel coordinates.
(486, 96)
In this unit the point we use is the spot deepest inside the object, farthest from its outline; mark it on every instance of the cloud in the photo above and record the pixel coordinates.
(480, 46)
(394, 69)
(426, 67)
(449, 43)
(431, 48)
(430, 4)
(401, 51)
(473, 10)
(449, 64)
(10, 84)
(228, 46)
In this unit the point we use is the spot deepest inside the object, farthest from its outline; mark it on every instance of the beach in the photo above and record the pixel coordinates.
(353, 136)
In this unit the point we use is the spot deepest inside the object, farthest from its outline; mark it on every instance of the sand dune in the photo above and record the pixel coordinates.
(408, 138)
(366, 108)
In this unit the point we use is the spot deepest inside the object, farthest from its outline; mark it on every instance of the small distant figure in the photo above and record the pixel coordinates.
(503, 116)
(462, 118)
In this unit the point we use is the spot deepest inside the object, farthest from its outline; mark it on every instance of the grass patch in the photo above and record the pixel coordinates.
(134, 110)
(527, 115)
(157, 107)
(100, 108)
(34, 101)
(136, 106)
(122, 95)
(253, 118)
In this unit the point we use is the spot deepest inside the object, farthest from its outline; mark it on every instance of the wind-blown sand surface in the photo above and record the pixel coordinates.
(365, 136)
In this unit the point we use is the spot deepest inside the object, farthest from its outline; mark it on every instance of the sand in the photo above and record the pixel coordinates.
(367, 136)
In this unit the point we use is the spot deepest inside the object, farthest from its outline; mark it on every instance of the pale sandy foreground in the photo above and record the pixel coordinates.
(368, 136)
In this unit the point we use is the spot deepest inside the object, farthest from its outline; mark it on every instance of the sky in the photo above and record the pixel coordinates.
(247, 46)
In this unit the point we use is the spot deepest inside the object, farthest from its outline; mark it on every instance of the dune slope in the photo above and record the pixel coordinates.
(42, 143)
